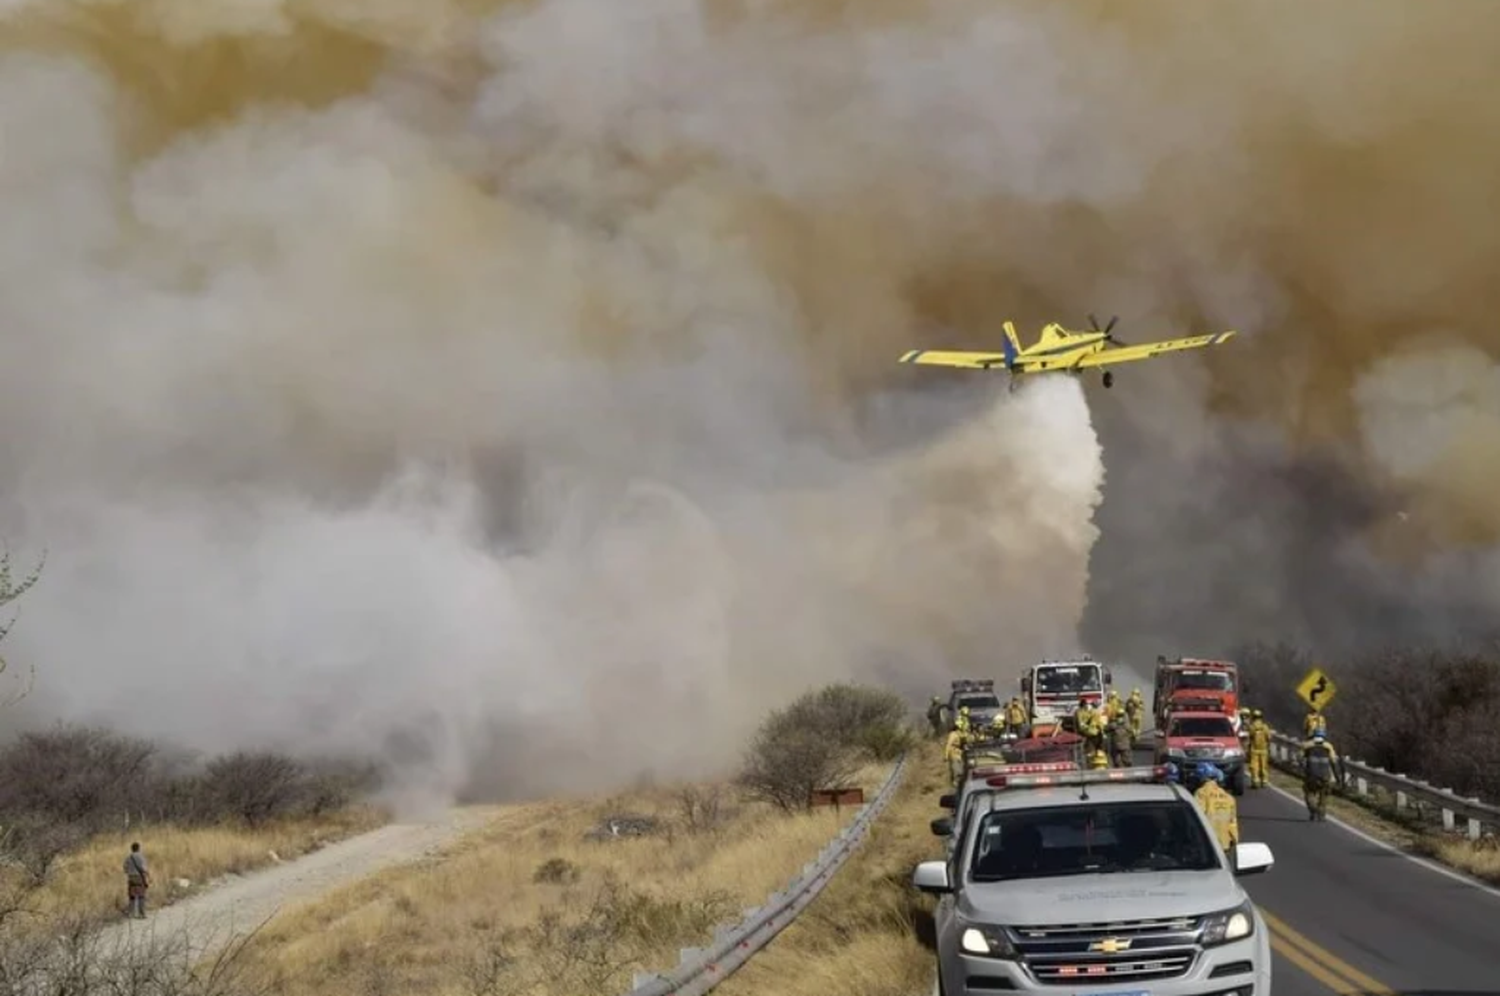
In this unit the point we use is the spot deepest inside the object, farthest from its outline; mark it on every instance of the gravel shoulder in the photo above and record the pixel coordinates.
(206, 923)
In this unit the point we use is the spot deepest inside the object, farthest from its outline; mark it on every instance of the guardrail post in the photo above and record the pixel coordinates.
(1473, 828)
(1400, 799)
(1362, 786)
(1448, 819)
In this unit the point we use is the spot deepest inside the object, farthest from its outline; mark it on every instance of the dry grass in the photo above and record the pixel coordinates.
(88, 882)
(1378, 817)
(869, 932)
(531, 905)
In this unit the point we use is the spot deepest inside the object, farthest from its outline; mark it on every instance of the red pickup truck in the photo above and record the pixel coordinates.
(1193, 738)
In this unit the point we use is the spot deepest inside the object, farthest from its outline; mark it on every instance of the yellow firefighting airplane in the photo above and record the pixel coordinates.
(1060, 350)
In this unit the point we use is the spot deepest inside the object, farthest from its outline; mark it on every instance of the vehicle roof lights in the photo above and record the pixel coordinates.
(1157, 773)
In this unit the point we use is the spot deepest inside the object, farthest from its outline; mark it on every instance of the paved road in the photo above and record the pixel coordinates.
(1349, 916)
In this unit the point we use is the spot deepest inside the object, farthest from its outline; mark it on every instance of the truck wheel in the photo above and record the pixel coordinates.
(1239, 783)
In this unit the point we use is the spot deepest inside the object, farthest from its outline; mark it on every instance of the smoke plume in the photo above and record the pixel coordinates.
(508, 389)
(510, 393)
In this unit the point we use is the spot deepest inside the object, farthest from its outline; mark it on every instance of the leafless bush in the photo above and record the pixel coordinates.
(785, 767)
(76, 781)
(620, 927)
(34, 843)
(556, 871)
(75, 775)
(701, 809)
(10, 590)
(254, 786)
(70, 957)
(820, 741)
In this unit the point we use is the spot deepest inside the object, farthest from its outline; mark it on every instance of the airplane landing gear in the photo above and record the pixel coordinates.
(1109, 378)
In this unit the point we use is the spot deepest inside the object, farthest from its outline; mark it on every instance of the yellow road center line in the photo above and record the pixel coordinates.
(1335, 984)
(1362, 982)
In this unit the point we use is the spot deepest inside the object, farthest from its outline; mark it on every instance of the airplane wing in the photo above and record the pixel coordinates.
(955, 358)
(1146, 350)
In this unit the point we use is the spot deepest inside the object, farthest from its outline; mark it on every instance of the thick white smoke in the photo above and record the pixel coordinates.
(524, 413)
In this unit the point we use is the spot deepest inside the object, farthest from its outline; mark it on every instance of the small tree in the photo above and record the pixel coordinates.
(785, 767)
(821, 740)
(10, 590)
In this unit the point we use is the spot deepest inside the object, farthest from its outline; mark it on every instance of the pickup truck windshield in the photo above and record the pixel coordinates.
(1215, 681)
(1052, 681)
(1201, 726)
(979, 702)
(1087, 839)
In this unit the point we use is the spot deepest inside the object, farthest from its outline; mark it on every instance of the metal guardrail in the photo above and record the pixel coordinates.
(1286, 753)
(699, 970)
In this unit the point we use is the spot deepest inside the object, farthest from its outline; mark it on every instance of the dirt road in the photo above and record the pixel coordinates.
(208, 921)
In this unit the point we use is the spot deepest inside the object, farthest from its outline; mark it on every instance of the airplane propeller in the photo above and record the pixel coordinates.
(1109, 375)
(1108, 328)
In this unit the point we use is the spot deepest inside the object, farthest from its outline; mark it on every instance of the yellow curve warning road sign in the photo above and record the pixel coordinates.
(1317, 689)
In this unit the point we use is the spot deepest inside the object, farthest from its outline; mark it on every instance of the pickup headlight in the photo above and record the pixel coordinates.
(1233, 752)
(986, 941)
(1230, 925)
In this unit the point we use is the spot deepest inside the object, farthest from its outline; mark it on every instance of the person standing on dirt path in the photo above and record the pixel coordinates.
(137, 881)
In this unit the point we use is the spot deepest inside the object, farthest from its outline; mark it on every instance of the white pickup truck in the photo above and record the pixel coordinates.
(1094, 883)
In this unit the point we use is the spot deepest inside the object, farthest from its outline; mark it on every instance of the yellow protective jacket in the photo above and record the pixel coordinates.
(1222, 812)
(1260, 736)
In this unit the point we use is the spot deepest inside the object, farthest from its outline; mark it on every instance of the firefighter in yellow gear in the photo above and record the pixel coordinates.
(953, 752)
(1314, 722)
(1319, 764)
(1218, 805)
(1015, 716)
(1260, 749)
(1114, 707)
(961, 722)
(1090, 726)
(1098, 759)
(1135, 712)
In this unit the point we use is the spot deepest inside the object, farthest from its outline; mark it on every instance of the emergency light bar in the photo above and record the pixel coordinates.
(1076, 777)
(1025, 768)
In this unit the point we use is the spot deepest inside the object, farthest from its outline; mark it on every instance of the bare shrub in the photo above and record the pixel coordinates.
(44, 955)
(33, 844)
(784, 767)
(620, 927)
(254, 786)
(701, 809)
(556, 871)
(10, 590)
(821, 740)
(74, 774)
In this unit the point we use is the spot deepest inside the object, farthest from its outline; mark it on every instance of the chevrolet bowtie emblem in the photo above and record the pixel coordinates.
(1111, 945)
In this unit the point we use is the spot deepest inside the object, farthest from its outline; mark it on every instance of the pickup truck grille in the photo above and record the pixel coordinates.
(1204, 752)
(1104, 953)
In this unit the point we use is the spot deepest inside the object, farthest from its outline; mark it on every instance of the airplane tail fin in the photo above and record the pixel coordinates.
(1012, 339)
